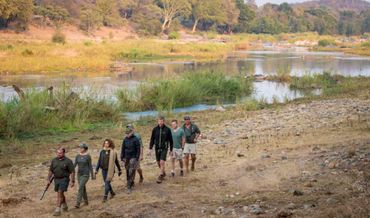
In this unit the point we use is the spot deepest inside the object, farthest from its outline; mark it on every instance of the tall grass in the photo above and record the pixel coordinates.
(42, 113)
(184, 90)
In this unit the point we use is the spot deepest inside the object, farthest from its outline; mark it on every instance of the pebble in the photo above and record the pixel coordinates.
(220, 210)
(255, 209)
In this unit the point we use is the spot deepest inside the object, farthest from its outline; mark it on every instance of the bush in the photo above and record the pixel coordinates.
(326, 42)
(27, 52)
(188, 89)
(174, 35)
(58, 37)
(40, 113)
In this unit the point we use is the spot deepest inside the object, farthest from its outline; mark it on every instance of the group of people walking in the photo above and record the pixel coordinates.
(178, 141)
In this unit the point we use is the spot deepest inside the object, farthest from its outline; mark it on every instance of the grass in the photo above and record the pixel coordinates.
(42, 113)
(185, 90)
(46, 57)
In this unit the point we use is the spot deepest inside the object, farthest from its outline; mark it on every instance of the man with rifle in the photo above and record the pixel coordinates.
(63, 172)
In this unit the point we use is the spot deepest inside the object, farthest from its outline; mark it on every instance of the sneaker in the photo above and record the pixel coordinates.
(164, 174)
(192, 168)
(173, 174)
(65, 207)
(181, 173)
(141, 179)
(57, 212)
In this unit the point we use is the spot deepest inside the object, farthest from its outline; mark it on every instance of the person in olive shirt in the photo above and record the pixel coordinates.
(192, 133)
(83, 161)
(178, 146)
(162, 139)
(130, 154)
(107, 160)
(63, 171)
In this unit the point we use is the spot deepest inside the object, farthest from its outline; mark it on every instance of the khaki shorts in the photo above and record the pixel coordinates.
(190, 148)
(177, 154)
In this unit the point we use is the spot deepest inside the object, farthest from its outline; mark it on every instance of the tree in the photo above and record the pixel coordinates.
(18, 11)
(246, 16)
(349, 23)
(89, 19)
(57, 14)
(206, 10)
(146, 17)
(108, 10)
(365, 27)
(232, 14)
(172, 9)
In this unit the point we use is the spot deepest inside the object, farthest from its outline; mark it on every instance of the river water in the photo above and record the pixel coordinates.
(240, 63)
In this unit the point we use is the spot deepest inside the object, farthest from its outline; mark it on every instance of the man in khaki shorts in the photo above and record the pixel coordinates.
(178, 137)
(192, 133)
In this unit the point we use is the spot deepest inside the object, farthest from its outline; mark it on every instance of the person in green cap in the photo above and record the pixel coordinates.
(63, 171)
(85, 170)
(138, 136)
(192, 133)
(178, 137)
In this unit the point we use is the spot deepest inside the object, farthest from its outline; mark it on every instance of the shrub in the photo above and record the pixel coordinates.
(174, 35)
(58, 37)
(27, 52)
(326, 42)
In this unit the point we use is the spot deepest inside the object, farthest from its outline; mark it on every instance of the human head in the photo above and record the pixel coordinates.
(61, 152)
(187, 119)
(108, 143)
(83, 147)
(161, 121)
(174, 124)
(129, 131)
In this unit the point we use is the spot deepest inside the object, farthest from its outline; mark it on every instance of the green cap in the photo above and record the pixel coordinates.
(84, 145)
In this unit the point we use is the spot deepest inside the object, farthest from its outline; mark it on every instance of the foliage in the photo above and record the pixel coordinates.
(326, 42)
(188, 89)
(174, 35)
(58, 37)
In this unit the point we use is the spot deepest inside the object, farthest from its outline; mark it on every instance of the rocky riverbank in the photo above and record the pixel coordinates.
(299, 160)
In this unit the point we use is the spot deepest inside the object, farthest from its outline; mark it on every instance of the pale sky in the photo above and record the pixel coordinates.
(262, 2)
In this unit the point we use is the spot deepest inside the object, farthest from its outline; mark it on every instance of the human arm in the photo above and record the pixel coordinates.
(138, 149)
(170, 140)
(118, 166)
(71, 169)
(89, 162)
(98, 164)
(123, 150)
(152, 138)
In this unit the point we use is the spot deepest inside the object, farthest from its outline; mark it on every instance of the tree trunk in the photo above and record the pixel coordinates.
(195, 25)
(164, 25)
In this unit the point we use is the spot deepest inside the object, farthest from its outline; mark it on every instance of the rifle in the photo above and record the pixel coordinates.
(47, 187)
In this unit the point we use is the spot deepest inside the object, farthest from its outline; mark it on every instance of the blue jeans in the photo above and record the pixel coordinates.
(107, 185)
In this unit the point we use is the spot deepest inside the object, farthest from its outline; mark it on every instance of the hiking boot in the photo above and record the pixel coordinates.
(173, 174)
(64, 207)
(105, 199)
(112, 194)
(160, 179)
(181, 173)
(86, 203)
(77, 206)
(57, 212)
(192, 167)
(141, 179)
(164, 174)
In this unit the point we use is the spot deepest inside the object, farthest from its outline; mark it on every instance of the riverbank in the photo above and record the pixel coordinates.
(306, 159)
(99, 55)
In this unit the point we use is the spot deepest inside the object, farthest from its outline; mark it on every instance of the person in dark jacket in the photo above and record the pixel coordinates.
(162, 140)
(130, 154)
(107, 160)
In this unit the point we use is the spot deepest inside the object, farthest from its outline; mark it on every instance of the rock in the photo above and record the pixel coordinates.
(333, 164)
(291, 206)
(220, 108)
(245, 208)
(284, 158)
(243, 216)
(332, 201)
(264, 156)
(316, 148)
(219, 210)
(284, 213)
(255, 209)
(239, 154)
(296, 192)
(94, 137)
(308, 184)
(308, 206)
(218, 142)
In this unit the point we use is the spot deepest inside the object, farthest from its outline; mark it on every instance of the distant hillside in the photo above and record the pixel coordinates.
(72, 6)
(337, 5)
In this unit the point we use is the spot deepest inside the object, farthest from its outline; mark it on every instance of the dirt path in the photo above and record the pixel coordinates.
(306, 160)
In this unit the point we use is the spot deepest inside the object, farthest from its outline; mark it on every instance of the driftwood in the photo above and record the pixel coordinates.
(19, 91)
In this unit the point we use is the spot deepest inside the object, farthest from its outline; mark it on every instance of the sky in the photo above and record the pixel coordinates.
(262, 2)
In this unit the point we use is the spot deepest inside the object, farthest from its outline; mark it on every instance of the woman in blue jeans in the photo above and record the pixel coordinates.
(107, 160)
